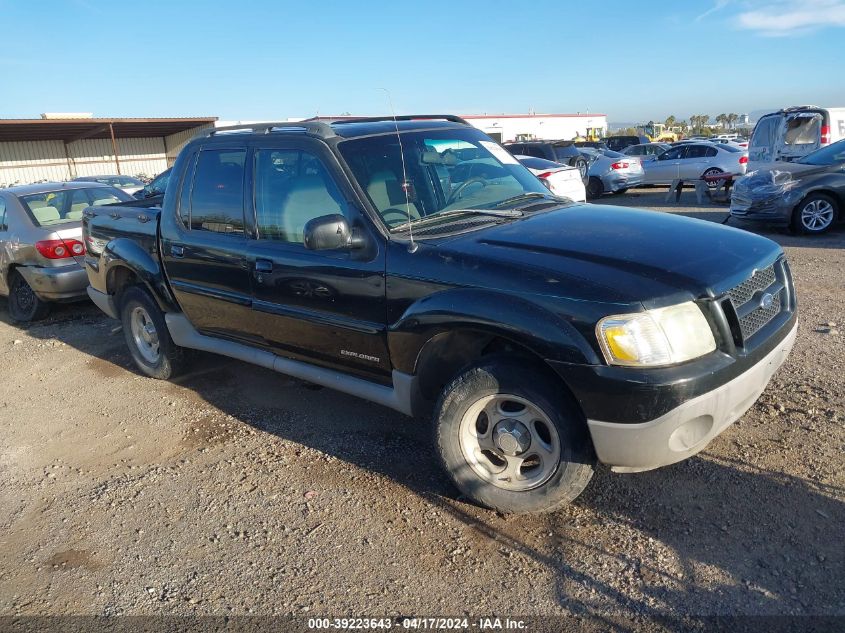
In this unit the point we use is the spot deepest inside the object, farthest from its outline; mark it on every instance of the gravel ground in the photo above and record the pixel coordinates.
(239, 491)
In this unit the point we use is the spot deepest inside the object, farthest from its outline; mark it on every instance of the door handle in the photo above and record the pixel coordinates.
(176, 250)
(263, 266)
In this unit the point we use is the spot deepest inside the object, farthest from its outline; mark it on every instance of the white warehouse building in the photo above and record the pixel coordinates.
(57, 149)
(510, 127)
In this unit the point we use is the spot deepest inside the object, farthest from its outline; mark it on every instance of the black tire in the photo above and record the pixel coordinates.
(170, 358)
(595, 188)
(581, 163)
(24, 304)
(619, 192)
(496, 376)
(712, 172)
(799, 223)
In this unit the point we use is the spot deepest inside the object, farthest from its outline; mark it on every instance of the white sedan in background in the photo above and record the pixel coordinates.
(562, 180)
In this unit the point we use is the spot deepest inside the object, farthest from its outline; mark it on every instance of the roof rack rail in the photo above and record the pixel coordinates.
(402, 117)
(313, 128)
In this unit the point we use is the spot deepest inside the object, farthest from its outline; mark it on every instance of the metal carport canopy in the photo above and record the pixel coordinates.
(69, 130)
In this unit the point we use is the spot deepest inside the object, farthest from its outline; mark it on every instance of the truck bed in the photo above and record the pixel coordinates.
(136, 221)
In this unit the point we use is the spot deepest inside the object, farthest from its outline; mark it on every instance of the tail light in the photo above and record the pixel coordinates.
(622, 164)
(825, 134)
(60, 249)
(743, 160)
(544, 175)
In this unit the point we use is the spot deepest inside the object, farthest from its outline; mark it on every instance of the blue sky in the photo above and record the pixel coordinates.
(270, 59)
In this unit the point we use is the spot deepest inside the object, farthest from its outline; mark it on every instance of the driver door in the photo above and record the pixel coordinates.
(664, 169)
(323, 306)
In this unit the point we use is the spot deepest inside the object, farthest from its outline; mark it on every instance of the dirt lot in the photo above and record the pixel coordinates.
(239, 491)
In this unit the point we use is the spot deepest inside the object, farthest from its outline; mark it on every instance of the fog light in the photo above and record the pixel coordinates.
(690, 433)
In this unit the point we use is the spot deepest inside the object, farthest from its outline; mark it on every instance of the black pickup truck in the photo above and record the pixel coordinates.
(415, 263)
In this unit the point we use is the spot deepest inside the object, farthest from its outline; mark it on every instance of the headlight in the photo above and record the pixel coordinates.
(664, 336)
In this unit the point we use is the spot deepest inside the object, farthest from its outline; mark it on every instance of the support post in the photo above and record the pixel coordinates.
(71, 168)
(114, 149)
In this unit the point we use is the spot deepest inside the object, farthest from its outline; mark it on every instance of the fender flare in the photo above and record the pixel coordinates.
(513, 318)
(126, 253)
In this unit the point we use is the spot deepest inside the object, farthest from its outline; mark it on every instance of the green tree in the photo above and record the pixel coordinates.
(670, 122)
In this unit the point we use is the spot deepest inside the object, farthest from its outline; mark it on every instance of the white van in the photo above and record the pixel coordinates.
(789, 134)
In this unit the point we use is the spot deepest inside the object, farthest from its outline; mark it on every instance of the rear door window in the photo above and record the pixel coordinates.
(217, 194)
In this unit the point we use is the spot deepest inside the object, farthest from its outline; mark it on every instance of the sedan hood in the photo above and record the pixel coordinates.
(796, 169)
(616, 254)
(774, 179)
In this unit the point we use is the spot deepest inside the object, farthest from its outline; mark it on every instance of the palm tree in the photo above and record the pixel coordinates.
(722, 120)
(732, 119)
(670, 122)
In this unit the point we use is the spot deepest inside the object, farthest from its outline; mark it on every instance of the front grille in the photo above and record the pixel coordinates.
(760, 280)
(753, 321)
(752, 312)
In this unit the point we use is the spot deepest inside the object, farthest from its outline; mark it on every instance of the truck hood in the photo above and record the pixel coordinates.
(616, 254)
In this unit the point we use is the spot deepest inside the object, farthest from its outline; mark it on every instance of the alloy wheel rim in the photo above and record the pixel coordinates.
(509, 442)
(817, 215)
(145, 335)
(712, 172)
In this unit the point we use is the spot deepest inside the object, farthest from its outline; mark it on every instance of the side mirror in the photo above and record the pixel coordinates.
(330, 232)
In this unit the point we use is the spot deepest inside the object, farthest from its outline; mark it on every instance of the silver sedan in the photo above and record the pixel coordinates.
(41, 249)
(611, 172)
(692, 161)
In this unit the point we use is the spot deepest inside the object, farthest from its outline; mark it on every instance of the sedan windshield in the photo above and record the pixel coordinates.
(444, 170)
(830, 155)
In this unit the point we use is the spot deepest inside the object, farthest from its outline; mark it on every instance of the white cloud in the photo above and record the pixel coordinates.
(793, 17)
(718, 6)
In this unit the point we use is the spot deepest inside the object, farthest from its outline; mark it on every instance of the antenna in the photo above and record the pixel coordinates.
(412, 247)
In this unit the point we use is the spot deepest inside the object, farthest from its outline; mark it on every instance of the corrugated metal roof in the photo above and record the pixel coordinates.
(76, 129)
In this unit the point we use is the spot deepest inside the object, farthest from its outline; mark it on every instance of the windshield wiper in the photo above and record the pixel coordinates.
(498, 213)
(532, 195)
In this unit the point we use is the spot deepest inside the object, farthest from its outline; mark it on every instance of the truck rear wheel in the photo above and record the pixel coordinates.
(147, 337)
(512, 439)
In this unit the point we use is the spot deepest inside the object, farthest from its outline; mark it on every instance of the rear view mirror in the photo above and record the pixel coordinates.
(330, 232)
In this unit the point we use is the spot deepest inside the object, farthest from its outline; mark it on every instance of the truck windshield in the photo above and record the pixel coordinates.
(444, 170)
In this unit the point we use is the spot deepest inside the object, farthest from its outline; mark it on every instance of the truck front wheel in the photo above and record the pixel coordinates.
(147, 337)
(512, 438)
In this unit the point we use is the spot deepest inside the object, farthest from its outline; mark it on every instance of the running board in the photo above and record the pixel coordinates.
(397, 397)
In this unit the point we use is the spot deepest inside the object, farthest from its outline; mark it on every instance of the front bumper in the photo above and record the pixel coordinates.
(776, 209)
(688, 428)
(56, 283)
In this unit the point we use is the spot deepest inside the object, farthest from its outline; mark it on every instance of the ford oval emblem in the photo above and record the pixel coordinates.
(766, 300)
